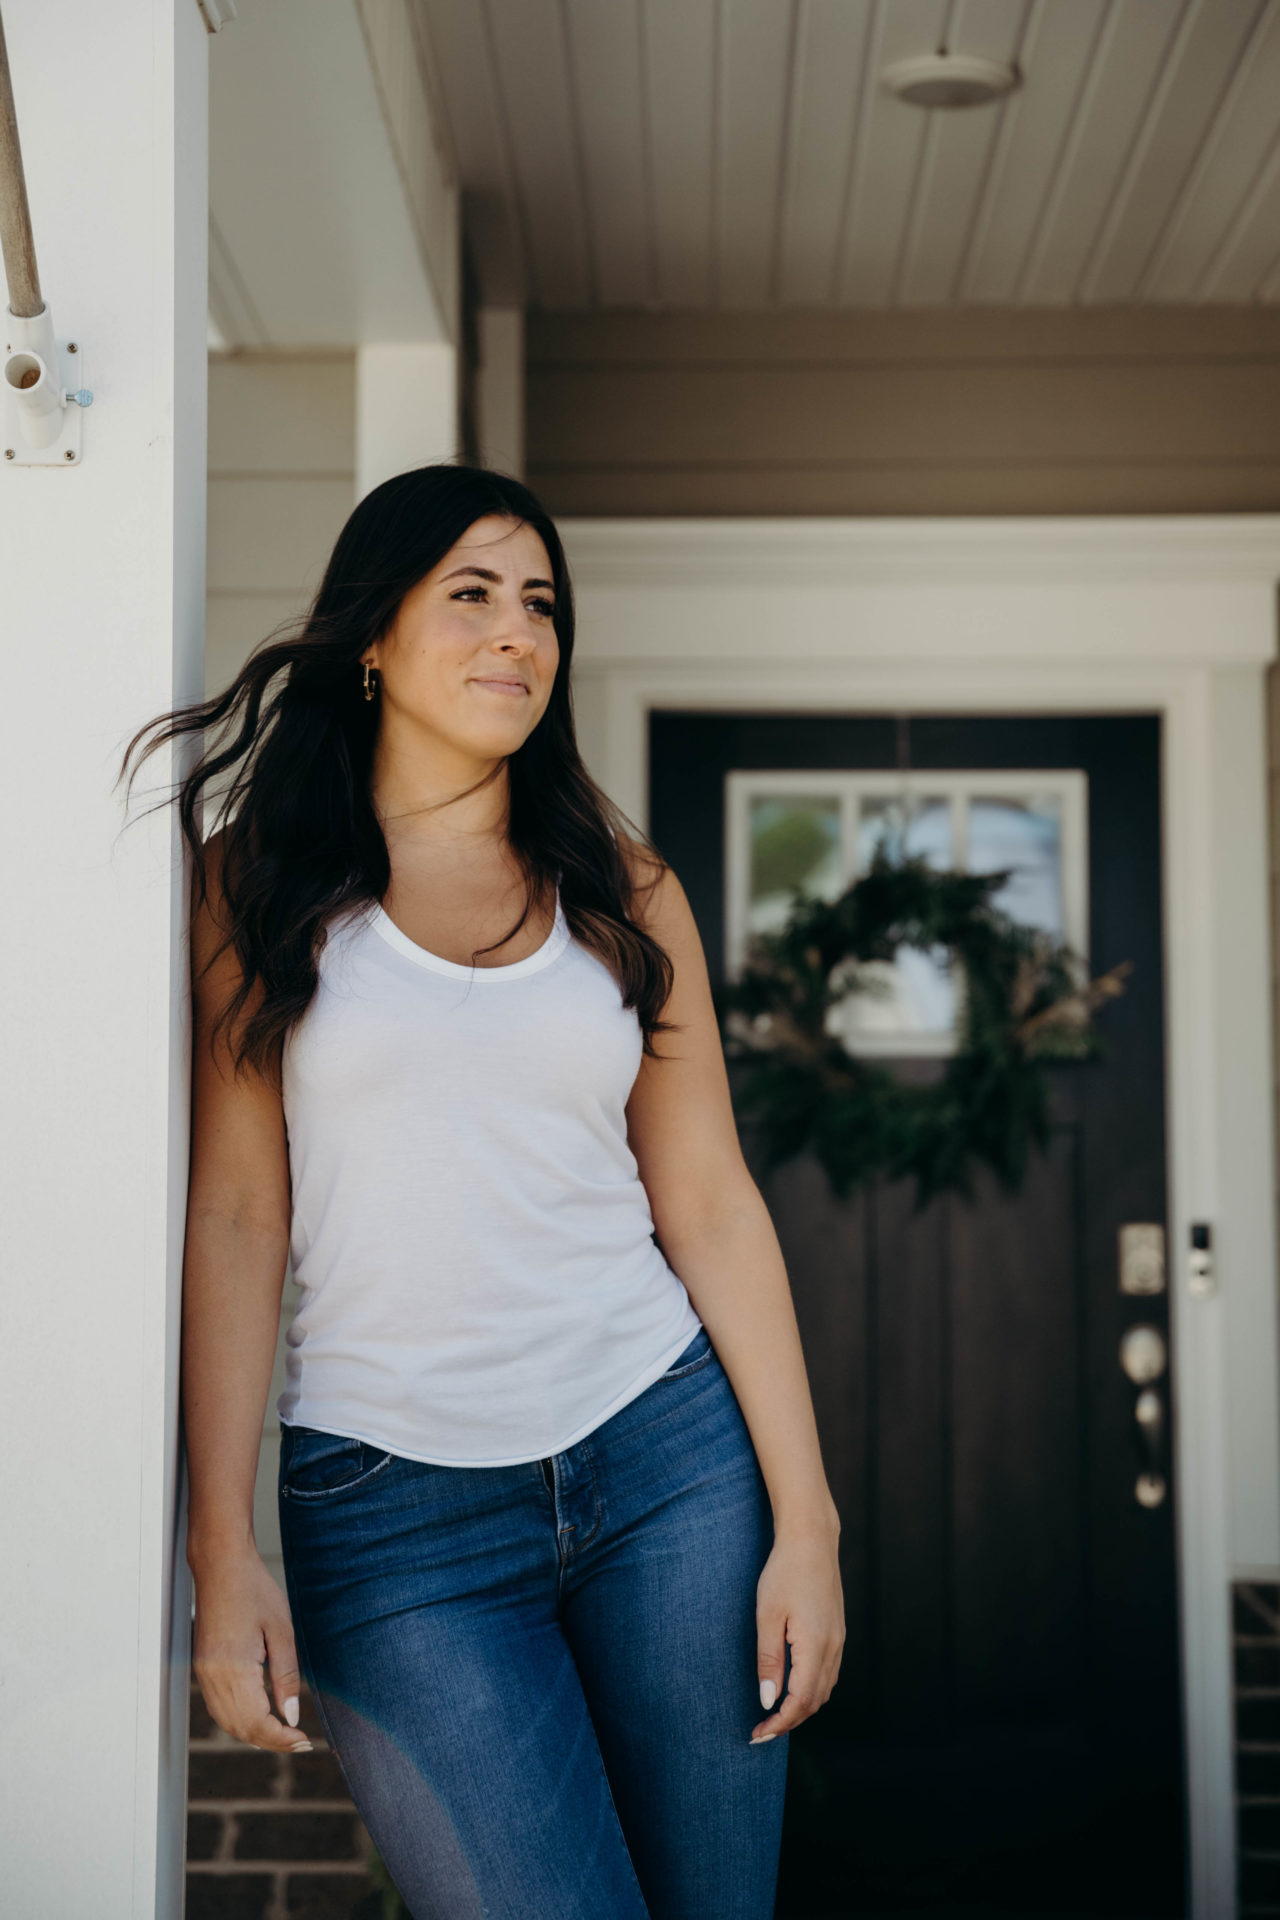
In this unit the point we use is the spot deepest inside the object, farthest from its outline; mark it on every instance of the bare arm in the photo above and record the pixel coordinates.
(716, 1232)
(238, 1211)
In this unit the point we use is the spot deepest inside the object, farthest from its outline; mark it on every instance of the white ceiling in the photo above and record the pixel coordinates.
(741, 153)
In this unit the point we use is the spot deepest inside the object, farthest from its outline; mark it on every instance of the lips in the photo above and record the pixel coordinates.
(498, 685)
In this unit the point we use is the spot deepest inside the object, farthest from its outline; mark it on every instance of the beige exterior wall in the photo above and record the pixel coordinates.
(922, 412)
(281, 483)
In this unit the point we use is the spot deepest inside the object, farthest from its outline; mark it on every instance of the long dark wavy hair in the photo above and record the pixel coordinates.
(295, 736)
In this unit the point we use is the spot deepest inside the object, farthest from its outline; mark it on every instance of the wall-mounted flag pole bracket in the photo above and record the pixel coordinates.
(42, 390)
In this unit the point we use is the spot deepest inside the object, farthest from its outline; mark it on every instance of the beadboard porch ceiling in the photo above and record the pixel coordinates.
(743, 153)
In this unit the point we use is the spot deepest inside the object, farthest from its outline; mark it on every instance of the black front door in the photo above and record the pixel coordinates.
(1005, 1737)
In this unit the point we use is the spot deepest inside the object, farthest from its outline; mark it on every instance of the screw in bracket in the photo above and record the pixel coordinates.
(10, 454)
(72, 347)
(68, 455)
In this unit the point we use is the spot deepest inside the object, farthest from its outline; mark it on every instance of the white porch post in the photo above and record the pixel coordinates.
(406, 409)
(101, 619)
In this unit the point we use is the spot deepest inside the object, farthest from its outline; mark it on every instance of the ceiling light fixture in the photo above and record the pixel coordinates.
(950, 80)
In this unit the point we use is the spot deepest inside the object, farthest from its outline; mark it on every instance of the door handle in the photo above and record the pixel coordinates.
(1143, 1358)
(1150, 1488)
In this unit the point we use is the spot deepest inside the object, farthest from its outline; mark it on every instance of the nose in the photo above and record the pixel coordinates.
(514, 637)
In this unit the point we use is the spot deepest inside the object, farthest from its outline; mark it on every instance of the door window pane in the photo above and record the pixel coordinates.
(910, 999)
(795, 842)
(1024, 834)
(816, 831)
(915, 829)
(913, 997)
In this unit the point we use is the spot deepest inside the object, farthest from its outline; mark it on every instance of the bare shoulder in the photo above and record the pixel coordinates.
(661, 906)
(651, 878)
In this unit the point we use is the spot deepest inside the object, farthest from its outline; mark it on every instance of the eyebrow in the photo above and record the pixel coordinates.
(484, 573)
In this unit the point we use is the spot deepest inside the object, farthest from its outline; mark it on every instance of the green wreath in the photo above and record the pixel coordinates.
(1026, 1001)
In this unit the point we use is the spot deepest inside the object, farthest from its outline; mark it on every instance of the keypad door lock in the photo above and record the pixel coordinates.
(1142, 1257)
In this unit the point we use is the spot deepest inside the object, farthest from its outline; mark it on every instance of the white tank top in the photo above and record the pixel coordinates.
(474, 1247)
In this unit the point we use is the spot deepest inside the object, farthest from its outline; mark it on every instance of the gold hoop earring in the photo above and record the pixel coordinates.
(368, 685)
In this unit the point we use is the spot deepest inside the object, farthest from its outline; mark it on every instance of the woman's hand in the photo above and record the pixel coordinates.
(799, 1603)
(242, 1619)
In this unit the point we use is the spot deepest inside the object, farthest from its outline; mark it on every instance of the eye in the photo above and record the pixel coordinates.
(544, 608)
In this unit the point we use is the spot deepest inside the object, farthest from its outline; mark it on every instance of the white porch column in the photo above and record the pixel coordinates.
(500, 388)
(406, 409)
(101, 622)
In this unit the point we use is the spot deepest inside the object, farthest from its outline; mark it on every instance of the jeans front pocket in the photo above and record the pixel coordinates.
(698, 1352)
(318, 1466)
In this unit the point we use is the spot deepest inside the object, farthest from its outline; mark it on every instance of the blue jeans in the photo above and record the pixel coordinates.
(540, 1680)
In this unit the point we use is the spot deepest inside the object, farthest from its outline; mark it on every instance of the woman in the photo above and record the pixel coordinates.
(560, 1553)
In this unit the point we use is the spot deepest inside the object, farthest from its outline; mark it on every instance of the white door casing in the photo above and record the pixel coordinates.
(1174, 616)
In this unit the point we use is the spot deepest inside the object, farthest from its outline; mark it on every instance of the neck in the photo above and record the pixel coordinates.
(427, 791)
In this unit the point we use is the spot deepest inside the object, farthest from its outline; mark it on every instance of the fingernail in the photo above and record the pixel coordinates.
(291, 1712)
(306, 1747)
(768, 1694)
(761, 1738)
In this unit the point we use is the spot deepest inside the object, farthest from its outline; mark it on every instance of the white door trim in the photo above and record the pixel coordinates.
(1169, 616)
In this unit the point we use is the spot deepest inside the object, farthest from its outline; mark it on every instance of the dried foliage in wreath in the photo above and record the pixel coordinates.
(1025, 1001)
